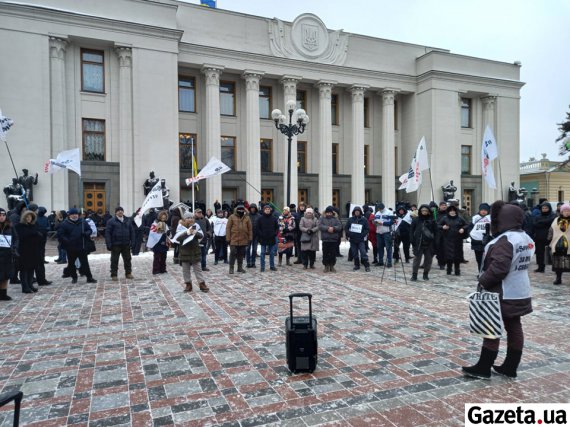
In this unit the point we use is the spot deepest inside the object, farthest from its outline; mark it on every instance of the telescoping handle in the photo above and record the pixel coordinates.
(300, 295)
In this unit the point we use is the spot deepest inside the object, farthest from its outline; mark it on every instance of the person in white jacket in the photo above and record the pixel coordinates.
(219, 224)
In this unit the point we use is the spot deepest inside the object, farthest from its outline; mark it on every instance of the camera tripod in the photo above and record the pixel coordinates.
(394, 251)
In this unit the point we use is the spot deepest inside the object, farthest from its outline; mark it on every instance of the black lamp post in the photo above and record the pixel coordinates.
(295, 127)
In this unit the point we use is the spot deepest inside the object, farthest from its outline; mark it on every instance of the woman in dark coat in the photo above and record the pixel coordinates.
(29, 241)
(560, 243)
(540, 227)
(8, 245)
(423, 232)
(453, 230)
(505, 271)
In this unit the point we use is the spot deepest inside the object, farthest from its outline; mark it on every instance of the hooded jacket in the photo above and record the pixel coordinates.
(239, 231)
(497, 263)
(267, 227)
(254, 217)
(352, 225)
(541, 224)
(309, 226)
(72, 235)
(452, 239)
(325, 223)
(424, 229)
(29, 240)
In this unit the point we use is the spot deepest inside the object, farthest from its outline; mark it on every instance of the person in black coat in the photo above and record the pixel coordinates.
(73, 234)
(453, 230)
(402, 234)
(8, 250)
(43, 227)
(357, 232)
(119, 237)
(424, 231)
(266, 229)
(540, 226)
(29, 241)
(439, 248)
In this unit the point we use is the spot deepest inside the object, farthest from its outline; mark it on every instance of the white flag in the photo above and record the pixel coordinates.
(70, 159)
(422, 156)
(152, 200)
(419, 164)
(488, 153)
(5, 124)
(403, 181)
(213, 167)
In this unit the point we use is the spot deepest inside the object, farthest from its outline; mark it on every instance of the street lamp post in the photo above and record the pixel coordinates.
(293, 128)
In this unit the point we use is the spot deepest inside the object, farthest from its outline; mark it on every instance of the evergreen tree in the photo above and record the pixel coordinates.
(564, 129)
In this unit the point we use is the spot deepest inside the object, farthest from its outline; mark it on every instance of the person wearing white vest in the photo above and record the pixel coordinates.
(505, 271)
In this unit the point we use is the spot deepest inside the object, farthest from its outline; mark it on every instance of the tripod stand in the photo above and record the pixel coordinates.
(394, 250)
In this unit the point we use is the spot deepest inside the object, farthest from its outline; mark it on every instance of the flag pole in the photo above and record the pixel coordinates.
(193, 184)
(431, 184)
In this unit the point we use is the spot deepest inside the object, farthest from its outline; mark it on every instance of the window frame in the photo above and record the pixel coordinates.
(335, 155)
(395, 114)
(366, 159)
(303, 94)
(193, 79)
(366, 111)
(102, 65)
(269, 100)
(467, 104)
(270, 151)
(234, 165)
(304, 156)
(229, 82)
(335, 109)
(84, 133)
(180, 145)
(468, 155)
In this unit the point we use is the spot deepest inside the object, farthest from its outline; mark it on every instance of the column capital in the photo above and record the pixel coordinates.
(125, 55)
(290, 86)
(212, 73)
(357, 91)
(326, 83)
(252, 79)
(325, 88)
(57, 46)
(388, 96)
(287, 79)
(489, 102)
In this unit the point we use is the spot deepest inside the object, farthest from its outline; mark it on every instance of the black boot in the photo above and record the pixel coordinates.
(4, 295)
(558, 280)
(540, 269)
(482, 369)
(510, 364)
(414, 277)
(426, 277)
(448, 269)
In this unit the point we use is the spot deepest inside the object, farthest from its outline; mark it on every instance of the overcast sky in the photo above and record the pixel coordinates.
(535, 32)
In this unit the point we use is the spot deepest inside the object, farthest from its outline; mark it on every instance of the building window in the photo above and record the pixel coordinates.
(265, 102)
(187, 94)
(185, 141)
(366, 168)
(92, 71)
(302, 99)
(561, 195)
(466, 159)
(227, 98)
(466, 112)
(395, 115)
(335, 148)
(301, 156)
(266, 155)
(229, 151)
(334, 109)
(93, 139)
(366, 112)
(396, 159)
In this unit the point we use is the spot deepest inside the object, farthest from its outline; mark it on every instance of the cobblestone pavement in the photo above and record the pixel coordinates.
(141, 352)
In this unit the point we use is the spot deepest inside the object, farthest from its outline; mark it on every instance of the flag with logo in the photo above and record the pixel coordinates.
(69, 159)
(5, 125)
(488, 153)
(152, 200)
(213, 167)
(418, 165)
(403, 181)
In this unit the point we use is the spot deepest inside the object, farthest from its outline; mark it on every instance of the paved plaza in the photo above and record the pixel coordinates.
(143, 353)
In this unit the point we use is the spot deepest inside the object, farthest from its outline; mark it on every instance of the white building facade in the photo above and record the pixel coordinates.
(134, 82)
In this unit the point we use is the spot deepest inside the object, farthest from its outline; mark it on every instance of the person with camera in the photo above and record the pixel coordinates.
(384, 220)
(402, 233)
(480, 232)
(357, 232)
(309, 227)
(424, 229)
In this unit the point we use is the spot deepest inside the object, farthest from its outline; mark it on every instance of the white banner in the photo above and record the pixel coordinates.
(153, 200)
(213, 167)
(5, 124)
(488, 153)
(419, 164)
(70, 159)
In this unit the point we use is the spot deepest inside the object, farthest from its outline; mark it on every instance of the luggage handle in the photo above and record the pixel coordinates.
(300, 295)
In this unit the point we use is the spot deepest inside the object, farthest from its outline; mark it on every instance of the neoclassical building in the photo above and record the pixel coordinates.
(136, 83)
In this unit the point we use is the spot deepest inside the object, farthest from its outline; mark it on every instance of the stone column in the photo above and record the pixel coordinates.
(59, 181)
(357, 171)
(213, 129)
(290, 94)
(252, 132)
(388, 161)
(126, 145)
(489, 195)
(325, 144)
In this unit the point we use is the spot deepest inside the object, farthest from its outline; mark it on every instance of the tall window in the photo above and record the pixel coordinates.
(266, 155)
(93, 139)
(92, 71)
(227, 99)
(335, 159)
(466, 112)
(301, 156)
(334, 109)
(229, 151)
(366, 168)
(366, 112)
(302, 99)
(395, 115)
(265, 102)
(187, 94)
(466, 159)
(185, 141)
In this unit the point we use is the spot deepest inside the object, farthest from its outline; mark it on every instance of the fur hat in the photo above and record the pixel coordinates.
(565, 207)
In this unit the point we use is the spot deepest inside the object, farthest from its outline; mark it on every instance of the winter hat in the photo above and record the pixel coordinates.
(188, 215)
(381, 206)
(240, 206)
(118, 208)
(565, 207)
(484, 206)
(329, 209)
(452, 208)
(73, 211)
(357, 208)
(309, 210)
(286, 208)
(2, 210)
